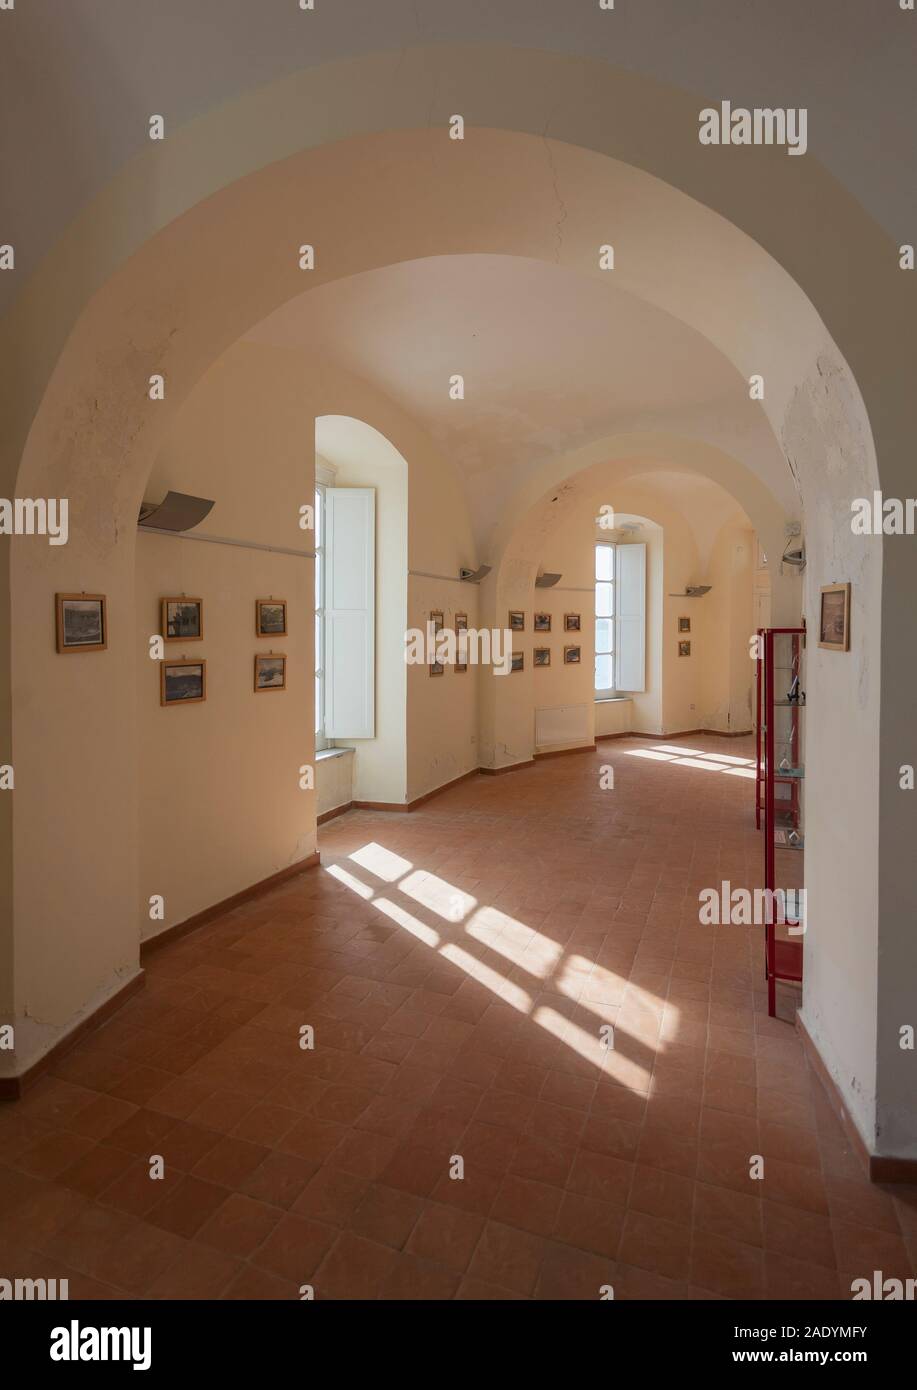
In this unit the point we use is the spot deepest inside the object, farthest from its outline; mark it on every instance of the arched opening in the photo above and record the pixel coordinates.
(171, 299)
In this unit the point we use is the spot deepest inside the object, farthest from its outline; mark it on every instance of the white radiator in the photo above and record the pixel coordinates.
(563, 724)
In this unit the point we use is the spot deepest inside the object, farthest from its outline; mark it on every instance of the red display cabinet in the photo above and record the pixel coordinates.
(779, 798)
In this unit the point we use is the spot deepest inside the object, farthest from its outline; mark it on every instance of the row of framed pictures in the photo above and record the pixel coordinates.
(82, 620)
(183, 618)
(184, 681)
(541, 622)
(461, 625)
(541, 656)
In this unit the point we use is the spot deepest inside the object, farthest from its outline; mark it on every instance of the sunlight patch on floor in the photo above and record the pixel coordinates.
(381, 862)
(729, 763)
(593, 988)
(437, 895)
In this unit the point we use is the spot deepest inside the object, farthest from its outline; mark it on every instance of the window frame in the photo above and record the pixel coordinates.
(321, 586)
(605, 692)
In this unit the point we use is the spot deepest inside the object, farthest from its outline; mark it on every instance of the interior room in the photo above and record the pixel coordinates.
(457, 810)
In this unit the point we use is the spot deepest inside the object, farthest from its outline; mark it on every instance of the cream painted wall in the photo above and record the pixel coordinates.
(727, 619)
(220, 802)
(442, 710)
(334, 780)
(558, 685)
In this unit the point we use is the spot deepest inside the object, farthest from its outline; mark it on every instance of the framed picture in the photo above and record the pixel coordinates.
(518, 662)
(182, 619)
(516, 621)
(461, 625)
(270, 617)
(82, 622)
(834, 618)
(571, 622)
(436, 667)
(270, 672)
(684, 624)
(572, 656)
(684, 649)
(541, 656)
(542, 622)
(182, 682)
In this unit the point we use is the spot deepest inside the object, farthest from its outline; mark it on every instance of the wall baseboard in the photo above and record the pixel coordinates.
(200, 919)
(682, 733)
(877, 1167)
(562, 752)
(427, 796)
(511, 767)
(405, 806)
(12, 1087)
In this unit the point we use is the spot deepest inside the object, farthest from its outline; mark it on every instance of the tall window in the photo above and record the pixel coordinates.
(320, 590)
(344, 612)
(604, 620)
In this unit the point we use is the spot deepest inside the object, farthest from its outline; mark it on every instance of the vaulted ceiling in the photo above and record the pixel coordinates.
(79, 79)
(549, 363)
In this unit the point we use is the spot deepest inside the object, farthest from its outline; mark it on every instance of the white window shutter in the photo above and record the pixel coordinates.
(350, 611)
(630, 617)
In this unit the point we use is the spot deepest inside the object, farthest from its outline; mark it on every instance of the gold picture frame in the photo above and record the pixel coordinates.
(461, 625)
(262, 604)
(268, 662)
(176, 624)
(834, 618)
(437, 668)
(81, 622)
(182, 688)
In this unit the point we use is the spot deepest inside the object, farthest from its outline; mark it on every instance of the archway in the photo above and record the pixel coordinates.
(181, 299)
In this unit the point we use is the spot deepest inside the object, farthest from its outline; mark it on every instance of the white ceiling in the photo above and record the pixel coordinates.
(550, 360)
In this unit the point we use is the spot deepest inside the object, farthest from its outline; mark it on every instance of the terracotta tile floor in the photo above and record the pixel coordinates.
(457, 965)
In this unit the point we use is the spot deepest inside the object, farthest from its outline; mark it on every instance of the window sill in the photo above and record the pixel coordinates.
(332, 753)
(614, 699)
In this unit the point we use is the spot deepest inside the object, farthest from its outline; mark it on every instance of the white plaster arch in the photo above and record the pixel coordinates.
(197, 241)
